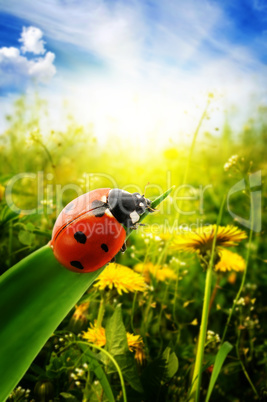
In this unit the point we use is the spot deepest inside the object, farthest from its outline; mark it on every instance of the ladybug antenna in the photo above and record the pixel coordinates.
(146, 188)
(149, 208)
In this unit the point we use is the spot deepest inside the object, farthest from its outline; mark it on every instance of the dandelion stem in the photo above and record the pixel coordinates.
(113, 361)
(240, 289)
(135, 294)
(101, 311)
(188, 162)
(132, 313)
(146, 322)
(202, 336)
(175, 296)
(196, 381)
(163, 304)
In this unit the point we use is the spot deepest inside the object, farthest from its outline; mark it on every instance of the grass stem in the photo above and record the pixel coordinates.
(244, 368)
(196, 381)
(113, 361)
(244, 274)
(101, 311)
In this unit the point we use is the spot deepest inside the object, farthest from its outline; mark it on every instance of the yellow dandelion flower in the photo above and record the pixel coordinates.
(165, 273)
(95, 335)
(201, 239)
(147, 270)
(160, 273)
(165, 236)
(230, 261)
(79, 319)
(134, 341)
(122, 278)
(140, 355)
(144, 269)
(158, 233)
(81, 309)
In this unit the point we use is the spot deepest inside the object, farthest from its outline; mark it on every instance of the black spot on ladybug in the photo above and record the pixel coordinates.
(76, 264)
(104, 247)
(80, 237)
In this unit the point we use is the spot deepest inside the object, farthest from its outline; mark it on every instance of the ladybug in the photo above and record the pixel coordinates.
(91, 229)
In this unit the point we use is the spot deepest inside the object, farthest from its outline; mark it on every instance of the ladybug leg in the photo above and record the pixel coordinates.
(136, 225)
(113, 259)
(124, 248)
(151, 209)
(133, 227)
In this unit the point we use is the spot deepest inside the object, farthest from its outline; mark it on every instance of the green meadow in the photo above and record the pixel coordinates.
(135, 334)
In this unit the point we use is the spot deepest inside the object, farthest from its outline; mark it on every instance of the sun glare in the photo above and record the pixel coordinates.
(140, 116)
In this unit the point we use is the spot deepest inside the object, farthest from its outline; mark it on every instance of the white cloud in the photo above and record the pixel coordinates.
(16, 70)
(13, 66)
(31, 39)
(43, 68)
(9, 53)
(114, 33)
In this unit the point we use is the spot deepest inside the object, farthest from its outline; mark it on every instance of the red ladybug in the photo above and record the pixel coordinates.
(91, 229)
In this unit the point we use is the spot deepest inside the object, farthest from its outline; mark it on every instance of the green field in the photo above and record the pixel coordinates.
(159, 301)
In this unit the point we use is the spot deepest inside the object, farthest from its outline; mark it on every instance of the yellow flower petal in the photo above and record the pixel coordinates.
(162, 273)
(230, 261)
(122, 278)
(97, 335)
(134, 341)
(201, 239)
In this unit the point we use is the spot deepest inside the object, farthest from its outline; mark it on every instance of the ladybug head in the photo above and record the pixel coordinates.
(127, 207)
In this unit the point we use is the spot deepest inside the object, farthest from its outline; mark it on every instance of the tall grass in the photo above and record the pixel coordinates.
(168, 314)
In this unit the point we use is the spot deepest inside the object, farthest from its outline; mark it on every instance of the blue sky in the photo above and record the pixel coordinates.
(111, 57)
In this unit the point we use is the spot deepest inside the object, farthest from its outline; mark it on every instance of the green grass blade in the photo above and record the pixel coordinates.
(35, 295)
(220, 358)
(154, 205)
(161, 198)
(99, 372)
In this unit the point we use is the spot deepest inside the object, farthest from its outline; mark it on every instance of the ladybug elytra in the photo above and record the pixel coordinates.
(91, 229)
